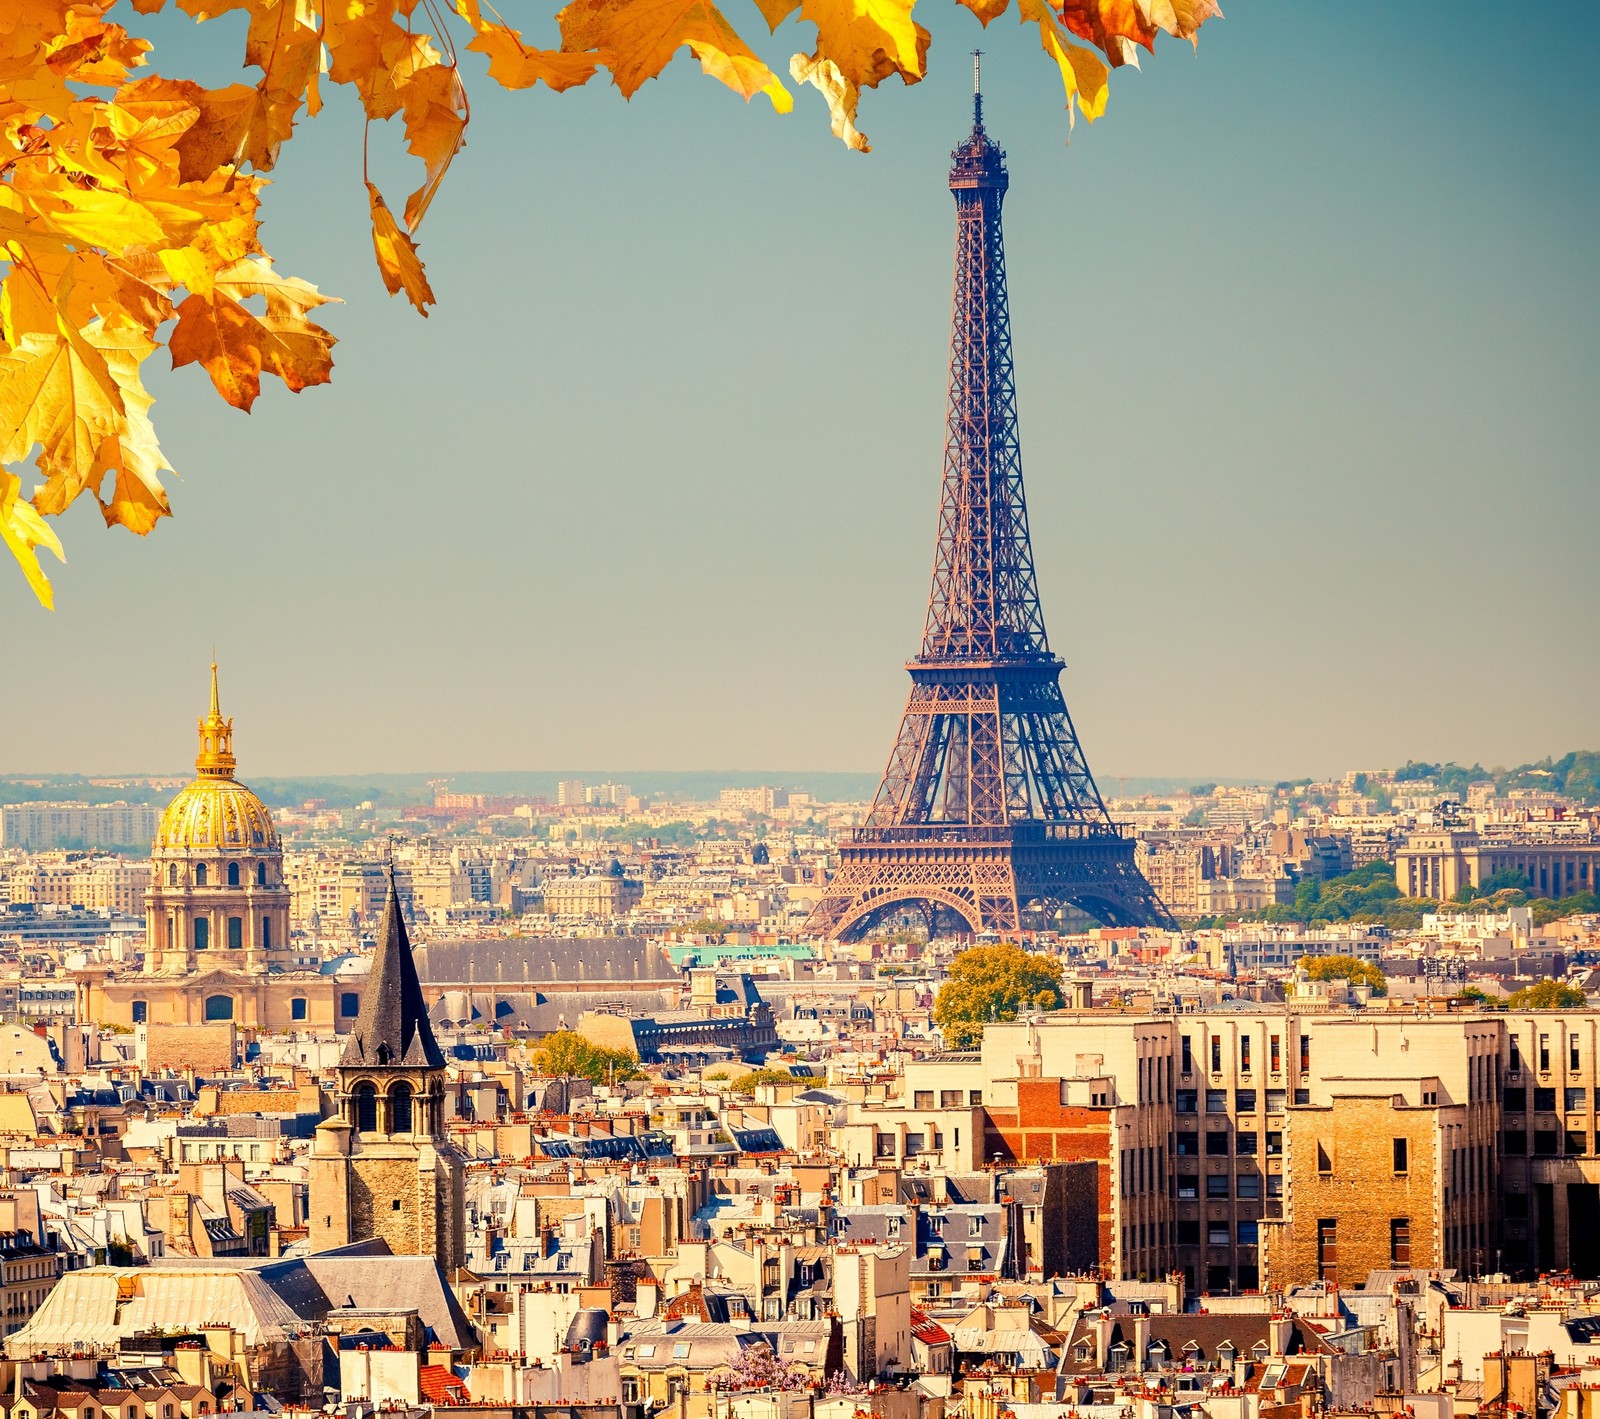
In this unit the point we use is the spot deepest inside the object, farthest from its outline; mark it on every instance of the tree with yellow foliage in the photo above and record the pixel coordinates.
(130, 202)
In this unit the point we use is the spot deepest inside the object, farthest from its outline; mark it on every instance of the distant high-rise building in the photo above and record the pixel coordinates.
(569, 793)
(752, 800)
(39, 826)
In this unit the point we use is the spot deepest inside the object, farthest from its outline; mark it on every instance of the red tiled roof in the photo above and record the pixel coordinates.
(440, 1385)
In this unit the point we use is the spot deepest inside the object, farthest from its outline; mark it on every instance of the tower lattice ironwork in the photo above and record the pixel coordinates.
(987, 818)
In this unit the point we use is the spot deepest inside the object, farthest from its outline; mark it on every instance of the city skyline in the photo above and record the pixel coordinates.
(1295, 538)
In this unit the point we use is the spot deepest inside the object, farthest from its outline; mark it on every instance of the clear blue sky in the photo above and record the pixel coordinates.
(1306, 331)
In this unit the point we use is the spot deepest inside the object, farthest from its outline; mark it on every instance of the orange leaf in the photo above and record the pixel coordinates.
(23, 530)
(235, 344)
(398, 262)
(513, 65)
(435, 107)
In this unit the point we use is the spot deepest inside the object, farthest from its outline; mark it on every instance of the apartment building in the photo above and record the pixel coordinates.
(1231, 1140)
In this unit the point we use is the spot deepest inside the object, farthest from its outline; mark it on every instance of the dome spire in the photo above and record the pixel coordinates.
(215, 759)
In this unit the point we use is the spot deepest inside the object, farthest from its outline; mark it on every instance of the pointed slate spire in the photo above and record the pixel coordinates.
(392, 1029)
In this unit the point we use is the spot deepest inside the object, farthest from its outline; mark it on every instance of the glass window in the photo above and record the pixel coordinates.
(1274, 1143)
(1248, 1234)
(922, 1099)
(1544, 1142)
(141, 1011)
(200, 875)
(1515, 1143)
(1245, 1101)
(261, 874)
(1401, 1155)
(1188, 1232)
(1188, 1187)
(1274, 1184)
(1217, 1144)
(1544, 1101)
(1217, 1185)
(297, 1008)
(1246, 1142)
(366, 1108)
(1217, 1234)
(349, 1004)
(1577, 1100)
(1248, 1186)
(1216, 1101)
(219, 1007)
(1244, 1054)
(1577, 1144)
(1277, 1101)
(235, 933)
(202, 933)
(1186, 1101)
(233, 874)
(1216, 1054)
(1188, 1055)
(1516, 1099)
(1188, 1144)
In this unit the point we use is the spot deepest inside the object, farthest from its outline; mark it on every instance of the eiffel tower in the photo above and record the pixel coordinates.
(987, 818)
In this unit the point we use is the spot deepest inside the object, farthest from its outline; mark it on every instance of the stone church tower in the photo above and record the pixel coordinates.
(382, 1165)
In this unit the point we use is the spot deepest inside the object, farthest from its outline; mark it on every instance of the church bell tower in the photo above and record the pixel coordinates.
(383, 1166)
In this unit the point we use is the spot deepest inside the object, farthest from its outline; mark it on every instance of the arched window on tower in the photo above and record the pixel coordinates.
(261, 874)
(235, 933)
(219, 1007)
(172, 874)
(202, 933)
(366, 1108)
(233, 874)
(266, 933)
(400, 1109)
(200, 874)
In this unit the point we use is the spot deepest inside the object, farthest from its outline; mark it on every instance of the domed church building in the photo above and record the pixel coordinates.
(217, 894)
(217, 944)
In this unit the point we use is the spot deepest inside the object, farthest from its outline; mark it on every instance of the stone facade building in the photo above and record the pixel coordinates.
(383, 1166)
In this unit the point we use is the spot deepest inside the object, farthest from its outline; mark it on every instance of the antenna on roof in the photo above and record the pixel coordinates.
(977, 90)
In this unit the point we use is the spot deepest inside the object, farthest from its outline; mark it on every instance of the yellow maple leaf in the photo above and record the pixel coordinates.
(218, 330)
(841, 94)
(641, 36)
(866, 40)
(58, 392)
(1083, 72)
(23, 530)
(398, 262)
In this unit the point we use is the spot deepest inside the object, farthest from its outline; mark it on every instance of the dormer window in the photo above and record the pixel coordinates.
(1119, 1355)
(1226, 1353)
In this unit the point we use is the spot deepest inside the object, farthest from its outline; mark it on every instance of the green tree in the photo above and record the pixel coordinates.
(994, 983)
(747, 1084)
(1349, 968)
(1547, 995)
(567, 1054)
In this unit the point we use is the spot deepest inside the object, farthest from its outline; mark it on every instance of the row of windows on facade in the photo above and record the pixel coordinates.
(222, 1007)
(1514, 1063)
(202, 874)
(1245, 1101)
(1246, 1047)
(1328, 1245)
(234, 930)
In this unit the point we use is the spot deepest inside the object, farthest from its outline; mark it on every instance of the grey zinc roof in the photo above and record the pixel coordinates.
(392, 1027)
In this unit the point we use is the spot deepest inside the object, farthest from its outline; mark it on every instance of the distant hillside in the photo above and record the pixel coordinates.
(1577, 775)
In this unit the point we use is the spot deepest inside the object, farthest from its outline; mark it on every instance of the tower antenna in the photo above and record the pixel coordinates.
(977, 89)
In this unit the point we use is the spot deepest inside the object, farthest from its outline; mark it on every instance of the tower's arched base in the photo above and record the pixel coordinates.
(1010, 880)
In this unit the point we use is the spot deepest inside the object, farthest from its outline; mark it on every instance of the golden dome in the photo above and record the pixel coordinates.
(217, 813)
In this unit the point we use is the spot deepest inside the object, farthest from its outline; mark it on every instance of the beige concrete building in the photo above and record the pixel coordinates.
(1439, 863)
